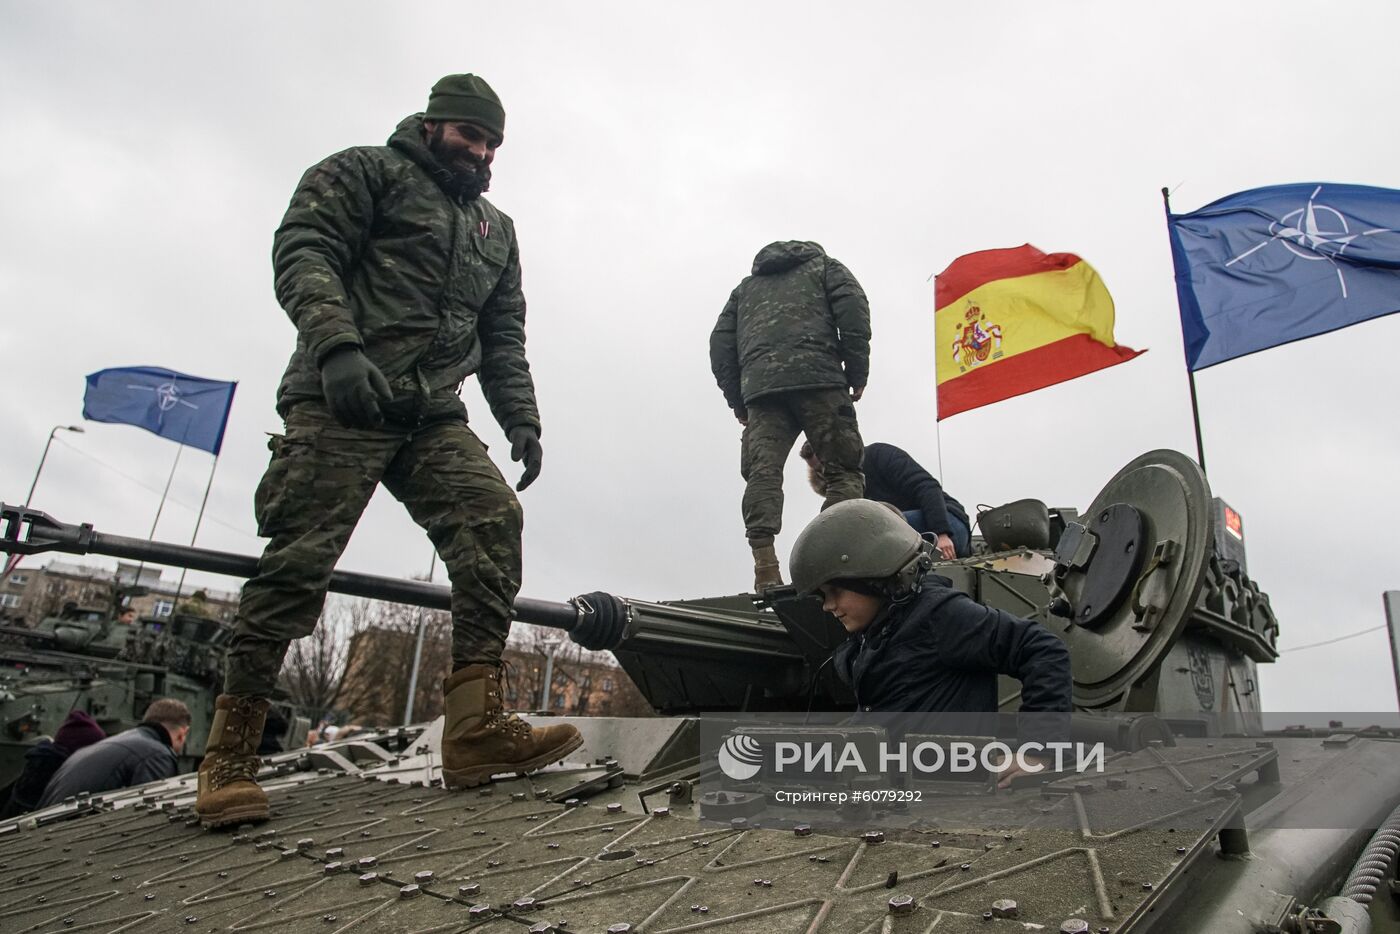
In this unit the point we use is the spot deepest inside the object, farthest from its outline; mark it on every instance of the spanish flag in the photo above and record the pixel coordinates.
(1012, 321)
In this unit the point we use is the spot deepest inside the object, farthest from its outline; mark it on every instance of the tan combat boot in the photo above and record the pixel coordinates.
(480, 740)
(228, 788)
(767, 573)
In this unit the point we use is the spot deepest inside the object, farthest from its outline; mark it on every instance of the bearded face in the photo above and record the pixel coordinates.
(470, 173)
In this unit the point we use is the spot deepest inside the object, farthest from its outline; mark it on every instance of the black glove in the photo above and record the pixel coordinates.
(525, 445)
(354, 388)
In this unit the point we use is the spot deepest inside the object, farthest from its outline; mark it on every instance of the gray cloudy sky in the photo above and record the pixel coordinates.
(150, 149)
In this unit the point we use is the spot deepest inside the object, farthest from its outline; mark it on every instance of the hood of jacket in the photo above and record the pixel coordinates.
(782, 255)
(407, 138)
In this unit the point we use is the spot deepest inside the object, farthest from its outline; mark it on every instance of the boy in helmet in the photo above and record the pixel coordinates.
(916, 644)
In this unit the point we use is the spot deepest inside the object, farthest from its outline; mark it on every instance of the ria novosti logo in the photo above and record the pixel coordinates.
(740, 756)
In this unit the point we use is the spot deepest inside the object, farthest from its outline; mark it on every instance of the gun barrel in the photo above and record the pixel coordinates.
(29, 531)
(682, 643)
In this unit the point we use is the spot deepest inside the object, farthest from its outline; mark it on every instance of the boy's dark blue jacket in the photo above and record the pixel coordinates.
(941, 652)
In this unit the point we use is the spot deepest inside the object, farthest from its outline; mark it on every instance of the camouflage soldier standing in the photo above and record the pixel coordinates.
(402, 281)
(791, 352)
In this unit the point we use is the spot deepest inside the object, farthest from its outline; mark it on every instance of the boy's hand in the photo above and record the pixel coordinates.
(1013, 768)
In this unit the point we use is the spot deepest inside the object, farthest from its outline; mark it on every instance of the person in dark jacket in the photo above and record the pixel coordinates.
(147, 752)
(916, 644)
(791, 353)
(78, 731)
(893, 476)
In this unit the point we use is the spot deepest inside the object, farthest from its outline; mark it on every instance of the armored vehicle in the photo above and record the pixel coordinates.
(83, 659)
(1204, 815)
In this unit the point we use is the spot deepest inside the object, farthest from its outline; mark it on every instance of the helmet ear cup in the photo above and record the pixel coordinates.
(910, 579)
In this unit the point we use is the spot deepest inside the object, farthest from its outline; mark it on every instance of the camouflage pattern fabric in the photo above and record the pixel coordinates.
(377, 251)
(317, 484)
(828, 418)
(801, 321)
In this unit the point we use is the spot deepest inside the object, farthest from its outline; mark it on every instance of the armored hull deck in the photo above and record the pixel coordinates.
(364, 838)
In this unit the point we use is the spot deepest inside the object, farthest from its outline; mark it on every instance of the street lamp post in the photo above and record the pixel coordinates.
(45, 456)
(551, 646)
(418, 652)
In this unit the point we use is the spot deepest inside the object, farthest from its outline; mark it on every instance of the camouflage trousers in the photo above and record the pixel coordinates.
(828, 418)
(317, 484)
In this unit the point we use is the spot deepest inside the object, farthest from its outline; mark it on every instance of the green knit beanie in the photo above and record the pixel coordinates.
(466, 98)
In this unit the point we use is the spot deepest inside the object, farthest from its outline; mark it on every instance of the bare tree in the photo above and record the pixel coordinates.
(314, 666)
(58, 592)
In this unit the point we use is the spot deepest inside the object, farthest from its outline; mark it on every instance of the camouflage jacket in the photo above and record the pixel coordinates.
(801, 321)
(375, 252)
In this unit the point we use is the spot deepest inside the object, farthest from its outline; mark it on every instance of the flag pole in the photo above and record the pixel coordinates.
(937, 416)
(1196, 420)
(197, 520)
(1190, 373)
(179, 448)
(938, 444)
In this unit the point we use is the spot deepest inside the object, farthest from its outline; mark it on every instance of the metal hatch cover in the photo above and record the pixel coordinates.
(1170, 495)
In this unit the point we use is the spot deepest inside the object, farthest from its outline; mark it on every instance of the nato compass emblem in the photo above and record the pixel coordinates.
(740, 756)
(167, 396)
(1314, 232)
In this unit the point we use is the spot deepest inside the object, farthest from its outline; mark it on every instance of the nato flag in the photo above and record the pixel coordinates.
(1275, 265)
(188, 409)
